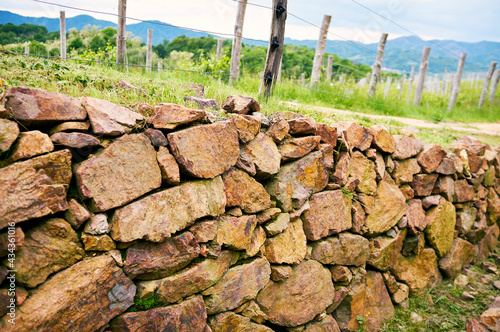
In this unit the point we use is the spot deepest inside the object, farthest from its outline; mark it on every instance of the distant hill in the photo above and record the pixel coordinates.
(400, 53)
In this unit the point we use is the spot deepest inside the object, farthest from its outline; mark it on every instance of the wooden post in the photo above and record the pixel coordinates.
(279, 70)
(26, 50)
(410, 82)
(456, 81)
(160, 66)
(445, 79)
(494, 85)
(120, 37)
(62, 33)
(219, 49)
(275, 48)
(487, 84)
(424, 64)
(377, 65)
(478, 78)
(234, 70)
(401, 87)
(149, 54)
(320, 50)
(387, 86)
(329, 68)
(303, 79)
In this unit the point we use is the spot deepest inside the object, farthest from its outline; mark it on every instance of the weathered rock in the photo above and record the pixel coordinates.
(190, 315)
(248, 127)
(431, 157)
(296, 181)
(236, 232)
(382, 140)
(34, 188)
(9, 130)
(445, 186)
(423, 184)
(358, 218)
(466, 216)
(265, 155)
(280, 272)
(288, 247)
(170, 116)
(202, 103)
(413, 244)
(147, 261)
(418, 272)
(401, 294)
(204, 231)
(157, 216)
(194, 279)
(97, 225)
(329, 213)
(297, 300)
(109, 119)
(488, 243)
(97, 242)
(257, 241)
(464, 192)
(4, 114)
(472, 325)
(384, 251)
(404, 170)
(388, 207)
(302, 126)
(267, 215)
(341, 274)
(245, 162)
(239, 284)
(241, 105)
(278, 224)
(206, 151)
(450, 165)
(354, 135)
(341, 174)
(76, 214)
(278, 130)
(75, 140)
(51, 307)
(243, 191)
(460, 254)
(429, 201)
(327, 324)
(252, 311)
(298, 147)
(368, 299)
(343, 249)
(170, 173)
(440, 227)
(416, 215)
(228, 321)
(49, 247)
(32, 106)
(70, 126)
(493, 211)
(30, 144)
(363, 169)
(156, 137)
(470, 143)
(406, 147)
(327, 133)
(491, 319)
(125, 170)
(18, 242)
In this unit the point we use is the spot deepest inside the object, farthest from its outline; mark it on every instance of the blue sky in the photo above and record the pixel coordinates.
(462, 20)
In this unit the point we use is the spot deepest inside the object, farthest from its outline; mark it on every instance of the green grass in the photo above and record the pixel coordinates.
(143, 305)
(170, 86)
(447, 311)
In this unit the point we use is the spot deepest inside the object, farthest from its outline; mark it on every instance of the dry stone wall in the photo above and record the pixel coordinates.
(239, 222)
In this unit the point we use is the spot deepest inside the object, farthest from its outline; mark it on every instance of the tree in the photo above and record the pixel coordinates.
(54, 52)
(76, 44)
(37, 48)
(97, 43)
(161, 49)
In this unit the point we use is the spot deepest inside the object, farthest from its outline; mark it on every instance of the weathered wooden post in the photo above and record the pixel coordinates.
(494, 85)
(303, 79)
(320, 50)
(26, 50)
(234, 70)
(120, 36)
(149, 53)
(377, 65)
(62, 34)
(456, 81)
(445, 82)
(410, 82)
(160, 66)
(219, 49)
(387, 86)
(424, 65)
(275, 48)
(329, 69)
(487, 84)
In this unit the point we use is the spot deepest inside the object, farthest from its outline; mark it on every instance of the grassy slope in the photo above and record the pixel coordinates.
(169, 86)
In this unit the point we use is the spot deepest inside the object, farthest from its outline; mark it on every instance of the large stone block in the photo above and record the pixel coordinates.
(244, 191)
(460, 254)
(343, 249)
(169, 116)
(440, 221)
(264, 155)
(289, 247)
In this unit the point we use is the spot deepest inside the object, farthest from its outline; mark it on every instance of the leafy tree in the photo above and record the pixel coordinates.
(97, 43)
(54, 52)
(161, 49)
(37, 48)
(76, 44)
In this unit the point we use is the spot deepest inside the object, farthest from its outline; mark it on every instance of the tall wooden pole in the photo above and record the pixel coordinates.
(219, 48)
(303, 79)
(234, 70)
(456, 81)
(160, 66)
(487, 83)
(387, 86)
(445, 82)
(329, 69)
(120, 37)
(26, 50)
(410, 82)
(377, 66)
(149, 54)
(320, 50)
(275, 48)
(62, 33)
(424, 65)
(494, 85)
